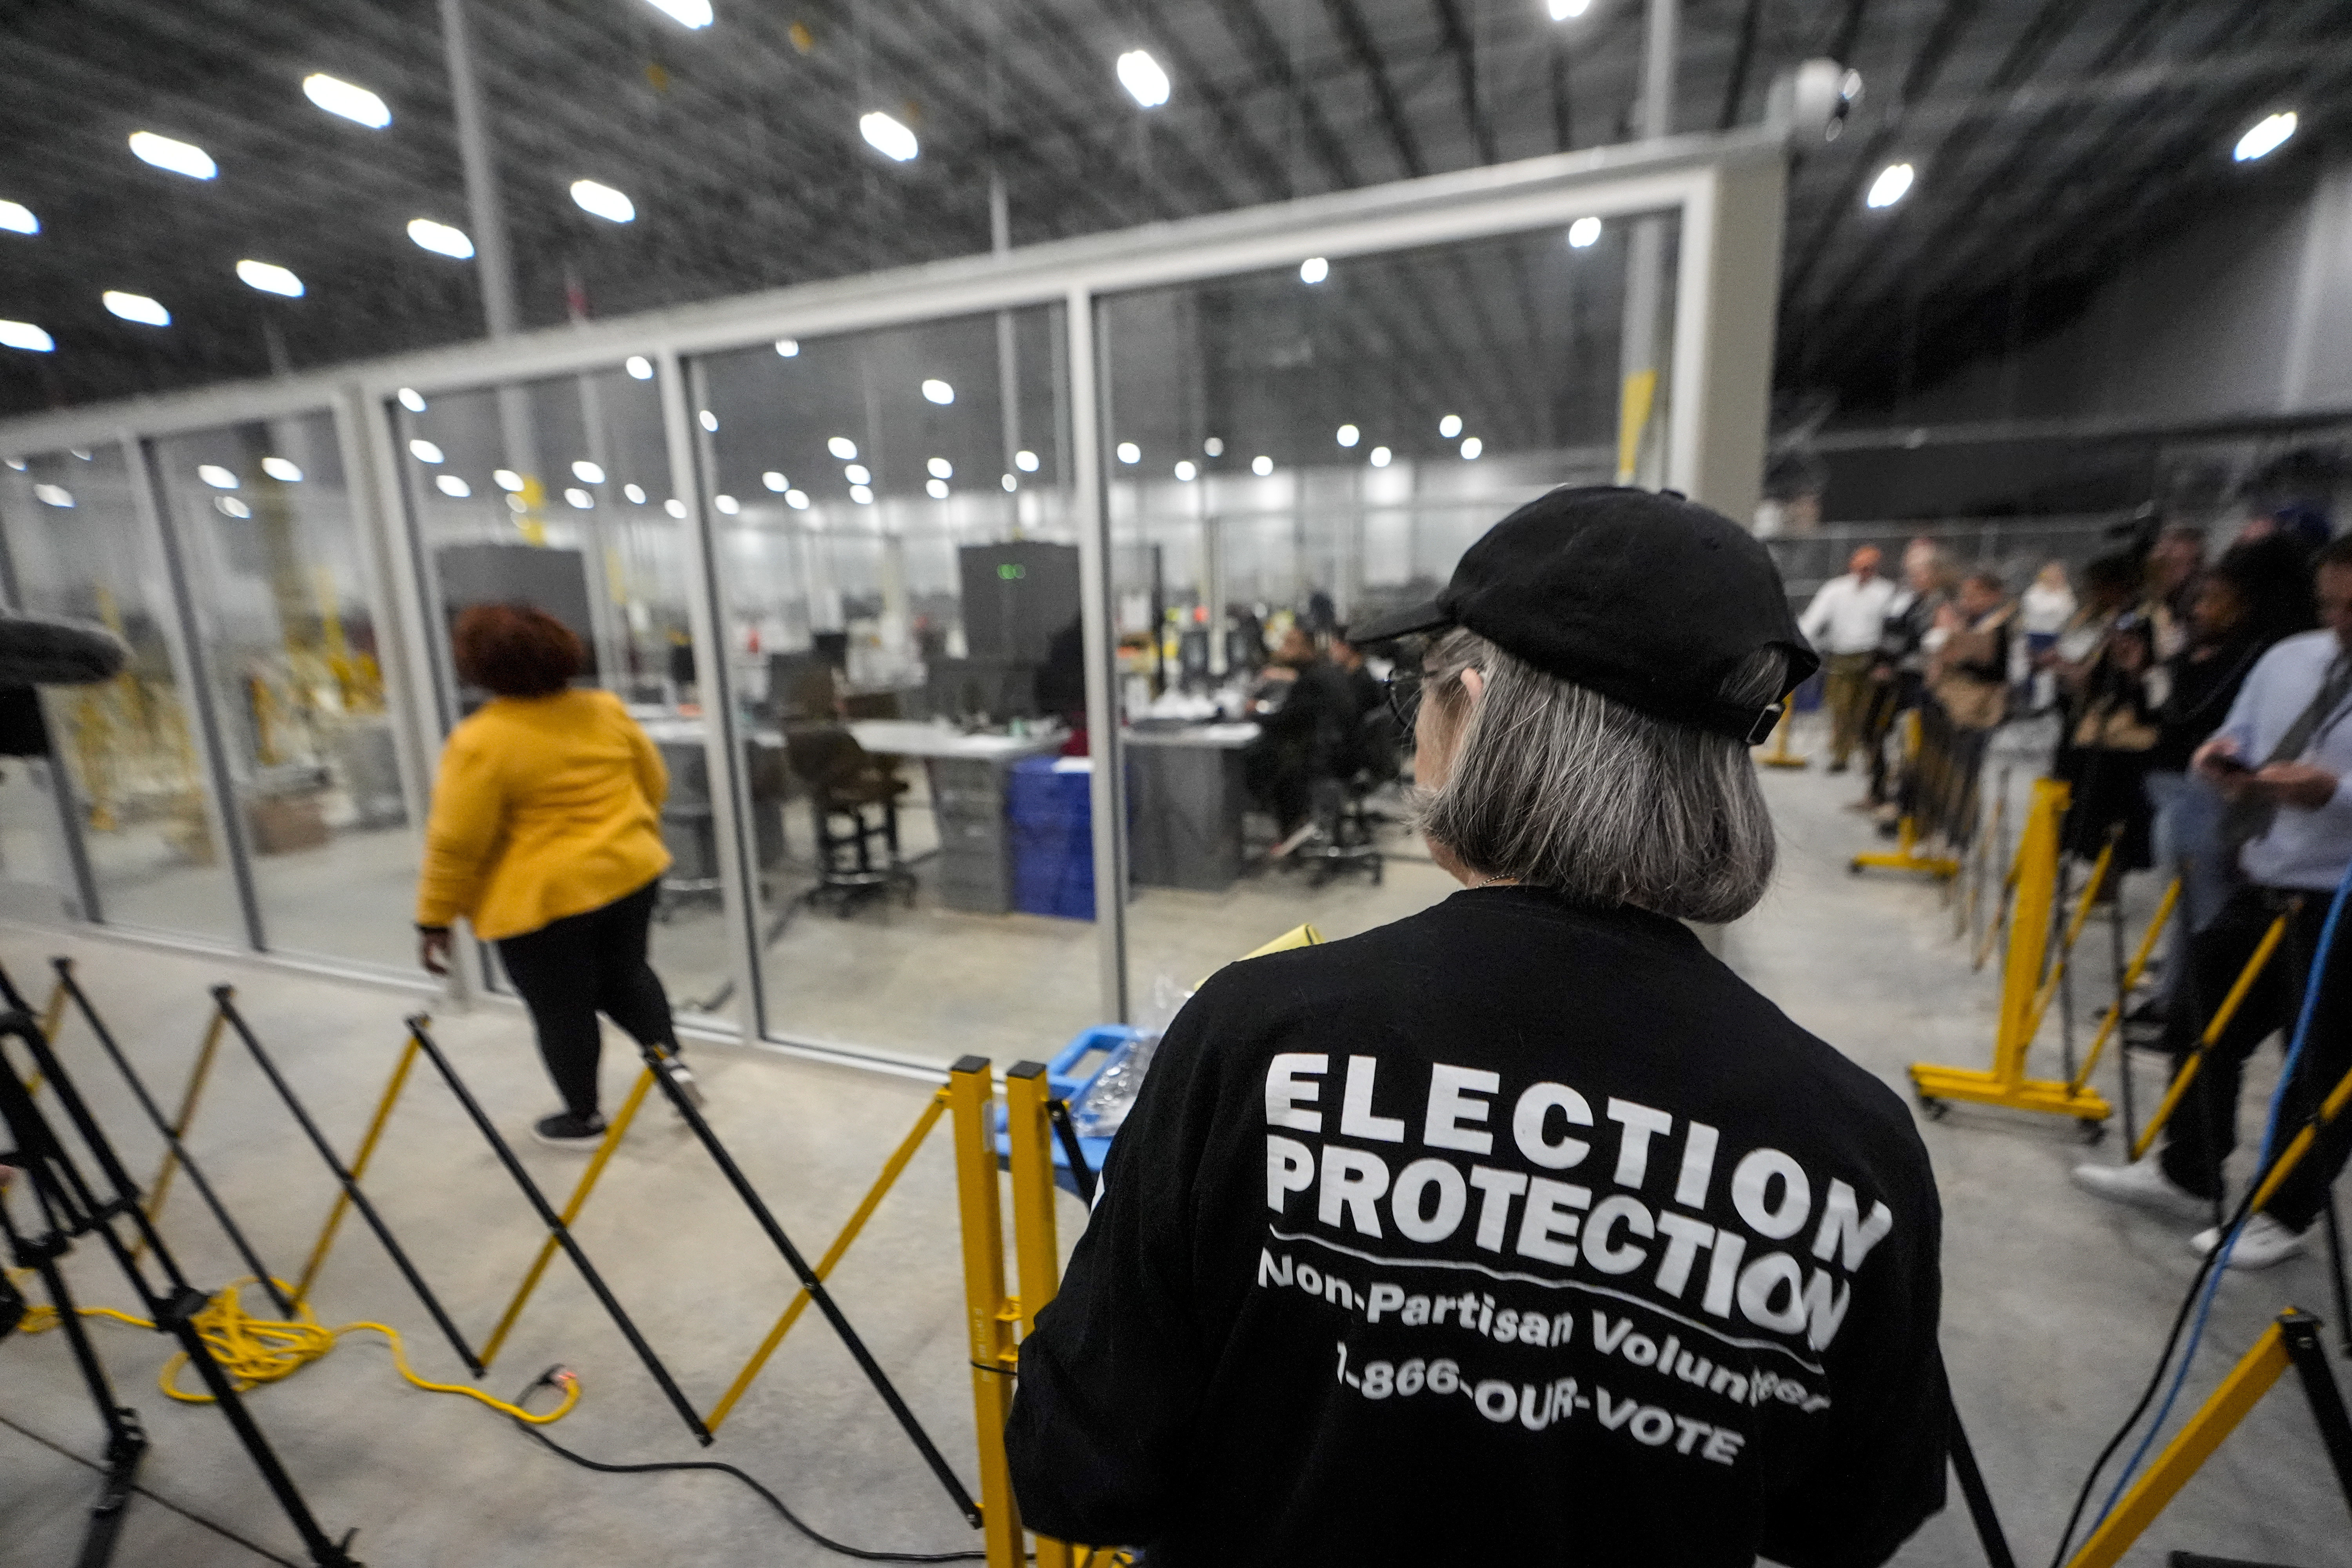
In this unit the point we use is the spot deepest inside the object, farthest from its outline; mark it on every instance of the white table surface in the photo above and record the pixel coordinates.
(1226, 737)
(913, 737)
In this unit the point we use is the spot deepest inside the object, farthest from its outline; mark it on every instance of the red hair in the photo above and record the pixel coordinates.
(516, 650)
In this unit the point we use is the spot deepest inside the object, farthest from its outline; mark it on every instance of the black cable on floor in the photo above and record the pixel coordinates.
(222, 1530)
(772, 1500)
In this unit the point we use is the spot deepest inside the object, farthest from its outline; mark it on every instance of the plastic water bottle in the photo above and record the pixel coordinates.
(1102, 1109)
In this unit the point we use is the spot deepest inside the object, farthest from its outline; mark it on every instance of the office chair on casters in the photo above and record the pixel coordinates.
(854, 807)
(1347, 830)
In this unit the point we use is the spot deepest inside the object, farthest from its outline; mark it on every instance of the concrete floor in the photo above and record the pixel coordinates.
(2054, 1304)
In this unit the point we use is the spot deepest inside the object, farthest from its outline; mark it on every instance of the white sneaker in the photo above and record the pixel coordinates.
(2263, 1242)
(2142, 1184)
(685, 1080)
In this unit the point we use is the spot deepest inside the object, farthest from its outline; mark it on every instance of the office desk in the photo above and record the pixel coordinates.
(967, 779)
(1186, 816)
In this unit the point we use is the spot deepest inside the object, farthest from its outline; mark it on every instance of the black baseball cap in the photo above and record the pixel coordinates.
(1649, 598)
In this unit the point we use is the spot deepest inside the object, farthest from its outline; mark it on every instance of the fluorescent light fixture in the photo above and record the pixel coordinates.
(213, 474)
(675, 507)
(936, 488)
(856, 475)
(1471, 448)
(1584, 232)
(1187, 471)
(841, 446)
(727, 504)
(603, 201)
(888, 137)
(788, 348)
(1129, 453)
(1893, 183)
(269, 277)
(440, 238)
(775, 481)
(636, 494)
(506, 479)
(639, 367)
(452, 486)
(797, 500)
(941, 468)
(53, 495)
(1380, 456)
(18, 219)
(938, 392)
(1314, 269)
(1144, 80)
(1214, 446)
(586, 472)
(1568, 10)
(692, 13)
(354, 103)
(229, 506)
(1450, 426)
(26, 336)
(135, 307)
(1011, 484)
(1026, 461)
(423, 451)
(1349, 435)
(412, 400)
(709, 421)
(2267, 136)
(283, 469)
(176, 157)
(863, 495)
(1261, 465)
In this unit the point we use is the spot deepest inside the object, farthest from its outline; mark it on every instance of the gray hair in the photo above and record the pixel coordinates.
(1555, 785)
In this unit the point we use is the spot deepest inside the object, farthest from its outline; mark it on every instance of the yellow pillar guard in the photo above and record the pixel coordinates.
(2213, 1030)
(2029, 938)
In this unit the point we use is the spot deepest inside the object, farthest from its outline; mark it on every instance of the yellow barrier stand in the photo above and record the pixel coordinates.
(2029, 938)
(2300, 1144)
(2221, 1021)
(2042, 998)
(891, 1170)
(1780, 756)
(199, 1073)
(359, 1168)
(1035, 1251)
(988, 1315)
(52, 1014)
(1906, 856)
(2132, 973)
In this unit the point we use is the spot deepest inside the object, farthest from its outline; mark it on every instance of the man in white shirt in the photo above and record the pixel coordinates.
(1844, 621)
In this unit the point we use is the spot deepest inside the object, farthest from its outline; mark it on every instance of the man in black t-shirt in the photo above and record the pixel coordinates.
(1521, 1229)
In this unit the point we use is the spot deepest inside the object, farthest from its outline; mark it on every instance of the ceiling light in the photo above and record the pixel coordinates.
(356, 103)
(841, 446)
(2265, 137)
(1143, 78)
(856, 475)
(440, 238)
(1584, 232)
(675, 507)
(1261, 465)
(580, 499)
(53, 495)
(888, 137)
(1011, 484)
(1450, 426)
(587, 473)
(693, 12)
(18, 219)
(603, 201)
(727, 504)
(941, 468)
(709, 421)
(1381, 457)
(270, 278)
(775, 481)
(1314, 269)
(797, 500)
(1471, 448)
(136, 308)
(283, 469)
(639, 367)
(229, 506)
(423, 451)
(1214, 446)
(1187, 472)
(17, 464)
(178, 157)
(636, 494)
(862, 495)
(506, 478)
(412, 400)
(213, 474)
(936, 488)
(1129, 452)
(1893, 180)
(1350, 434)
(938, 392)
(1568, 10)
(450, 485)
(788, 348)
(1026, 461)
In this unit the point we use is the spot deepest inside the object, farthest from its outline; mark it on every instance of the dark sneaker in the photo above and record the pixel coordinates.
(565, 1130)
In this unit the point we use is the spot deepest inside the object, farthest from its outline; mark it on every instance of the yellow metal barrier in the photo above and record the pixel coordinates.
(2221, 1021)
(199, 1072)
(342, 1204)
(2050, 982)
(2132, 973)
(1906, 856)
(1036, 1253)
(989, 1314)
(2300, 1144)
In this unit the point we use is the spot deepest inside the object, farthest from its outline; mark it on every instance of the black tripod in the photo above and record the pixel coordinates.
(70, 1207)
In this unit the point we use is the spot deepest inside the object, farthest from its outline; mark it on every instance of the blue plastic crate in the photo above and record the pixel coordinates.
(1053, 870)
(1062, 1079)
(1041, 793)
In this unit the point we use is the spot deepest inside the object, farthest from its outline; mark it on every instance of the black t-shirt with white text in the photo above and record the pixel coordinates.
(1510, 1227)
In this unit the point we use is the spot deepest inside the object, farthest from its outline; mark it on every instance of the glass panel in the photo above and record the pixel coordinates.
(1287, 456)
(78, 549)
(263, 514)
(901, 573)
(557, 493)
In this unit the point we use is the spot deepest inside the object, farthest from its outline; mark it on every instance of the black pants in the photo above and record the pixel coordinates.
(582, 965)
(2204, 1125)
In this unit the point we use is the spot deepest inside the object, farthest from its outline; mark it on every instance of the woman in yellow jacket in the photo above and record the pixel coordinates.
(546, 833)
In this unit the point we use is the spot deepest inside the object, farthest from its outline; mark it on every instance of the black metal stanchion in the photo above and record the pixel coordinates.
(2335, 1278)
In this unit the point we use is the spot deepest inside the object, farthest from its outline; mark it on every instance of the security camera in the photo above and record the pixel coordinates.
(1813, 101)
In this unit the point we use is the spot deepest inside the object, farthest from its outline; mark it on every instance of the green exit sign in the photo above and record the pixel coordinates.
(1011, 570)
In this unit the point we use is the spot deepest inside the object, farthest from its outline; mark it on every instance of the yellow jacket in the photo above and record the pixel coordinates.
(545, 806)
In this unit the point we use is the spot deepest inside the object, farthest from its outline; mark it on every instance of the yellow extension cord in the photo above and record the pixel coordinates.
(254, 1350)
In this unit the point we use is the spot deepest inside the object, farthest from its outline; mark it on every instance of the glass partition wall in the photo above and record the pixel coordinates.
(968, 607)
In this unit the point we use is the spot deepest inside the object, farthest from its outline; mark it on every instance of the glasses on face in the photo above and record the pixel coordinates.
(1402, 688)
